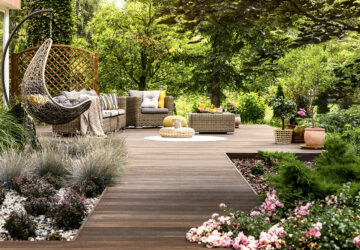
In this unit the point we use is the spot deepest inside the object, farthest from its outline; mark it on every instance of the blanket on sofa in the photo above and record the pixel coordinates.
(91, 119)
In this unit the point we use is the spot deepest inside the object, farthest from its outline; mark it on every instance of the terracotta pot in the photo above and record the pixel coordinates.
(237, 121)
(314, 137)
(298, 134)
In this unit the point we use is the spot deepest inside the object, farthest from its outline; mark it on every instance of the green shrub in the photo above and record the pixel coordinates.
(2, 195)
(336, 166)
(55, 181)
(257, 169)
(273, 158)
(338, 120)
(13, 164)
(252, 108)
(70, 212)
(33, 187)
(20, 226)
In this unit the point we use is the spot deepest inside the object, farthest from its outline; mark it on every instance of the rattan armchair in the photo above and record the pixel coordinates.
(135, 116)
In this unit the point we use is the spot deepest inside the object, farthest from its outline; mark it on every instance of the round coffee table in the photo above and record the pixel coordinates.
(172, 132)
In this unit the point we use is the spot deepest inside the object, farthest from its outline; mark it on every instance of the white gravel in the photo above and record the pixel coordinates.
(14, 202)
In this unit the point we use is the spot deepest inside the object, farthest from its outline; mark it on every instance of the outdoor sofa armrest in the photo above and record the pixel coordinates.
(169, 104)
(122, 102)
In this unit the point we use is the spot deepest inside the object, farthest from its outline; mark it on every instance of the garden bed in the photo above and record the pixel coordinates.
(45, 226)
(244, 163)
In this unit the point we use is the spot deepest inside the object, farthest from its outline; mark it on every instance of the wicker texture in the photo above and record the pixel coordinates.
(212, 122)
(134, 117)
(171, 132)
(283, 136)
(44, 107)
(68, 68)
(110, 124)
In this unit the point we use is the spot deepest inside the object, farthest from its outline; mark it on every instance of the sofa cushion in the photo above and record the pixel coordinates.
(161, 103)
(136, 93)
(109, 101)
(154, 111)
(150, 99)
(112, 113)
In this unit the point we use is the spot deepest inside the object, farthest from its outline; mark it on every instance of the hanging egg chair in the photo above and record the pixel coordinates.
(35, 94)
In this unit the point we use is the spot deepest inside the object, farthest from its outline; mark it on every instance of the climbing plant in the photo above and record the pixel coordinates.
(63, 24)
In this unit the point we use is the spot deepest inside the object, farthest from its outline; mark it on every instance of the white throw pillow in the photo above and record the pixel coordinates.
(150, 99)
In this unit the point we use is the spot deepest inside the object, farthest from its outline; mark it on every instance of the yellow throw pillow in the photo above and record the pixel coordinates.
(161, 103)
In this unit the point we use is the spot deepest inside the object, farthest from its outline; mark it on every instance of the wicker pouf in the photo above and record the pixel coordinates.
(177, 132)
(283, 136)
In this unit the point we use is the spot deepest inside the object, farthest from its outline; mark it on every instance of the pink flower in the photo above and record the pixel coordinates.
(255, 213)
(302, 113)
(356, 241)
(233, 104)
(310, 108)
(214, 215)
(222, 206)
(314, 231)
(303, 210)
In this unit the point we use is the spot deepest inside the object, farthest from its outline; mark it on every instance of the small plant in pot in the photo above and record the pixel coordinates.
(295, 125)
(314, 137)
(283, 108)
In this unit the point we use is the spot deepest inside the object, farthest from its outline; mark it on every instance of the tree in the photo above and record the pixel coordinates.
(134, 50)
(63, 24)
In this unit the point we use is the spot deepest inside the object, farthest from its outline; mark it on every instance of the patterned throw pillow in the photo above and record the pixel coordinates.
(109, 101)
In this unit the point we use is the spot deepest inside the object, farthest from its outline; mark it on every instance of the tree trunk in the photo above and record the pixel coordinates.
(142, 79)
(215, 91)
(215, 81)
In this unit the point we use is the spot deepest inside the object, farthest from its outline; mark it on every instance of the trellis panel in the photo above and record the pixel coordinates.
(68, 68)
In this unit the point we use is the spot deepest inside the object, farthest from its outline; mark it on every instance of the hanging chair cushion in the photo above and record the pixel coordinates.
(63, 100)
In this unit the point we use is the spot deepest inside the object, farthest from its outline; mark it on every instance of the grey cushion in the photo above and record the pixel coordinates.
(150, 99)
(154, 111)
(112, 113)
(136, 93)
(88, 92)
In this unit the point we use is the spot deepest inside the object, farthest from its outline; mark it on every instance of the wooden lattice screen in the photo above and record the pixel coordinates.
(68, 68)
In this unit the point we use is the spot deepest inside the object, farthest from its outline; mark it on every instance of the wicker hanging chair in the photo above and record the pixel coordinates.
(37, 97)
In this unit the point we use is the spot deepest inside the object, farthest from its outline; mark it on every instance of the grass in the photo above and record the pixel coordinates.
(11, 133)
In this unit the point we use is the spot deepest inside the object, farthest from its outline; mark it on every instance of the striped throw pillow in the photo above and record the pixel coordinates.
(109, 101)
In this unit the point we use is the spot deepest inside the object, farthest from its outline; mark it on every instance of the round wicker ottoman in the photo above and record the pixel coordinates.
(177, 132)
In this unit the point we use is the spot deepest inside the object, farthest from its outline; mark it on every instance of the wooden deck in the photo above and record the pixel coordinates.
(166, 188)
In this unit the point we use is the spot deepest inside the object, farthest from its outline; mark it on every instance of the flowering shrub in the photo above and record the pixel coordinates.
(329, 224)
(70, 212)
(232, 108)
(39, 189)
(38, 206)
(88, 188)
(20, 226)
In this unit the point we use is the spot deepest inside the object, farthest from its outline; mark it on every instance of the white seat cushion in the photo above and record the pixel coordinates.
(112, 113)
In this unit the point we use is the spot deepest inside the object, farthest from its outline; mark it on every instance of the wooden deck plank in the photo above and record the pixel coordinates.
(166, 188)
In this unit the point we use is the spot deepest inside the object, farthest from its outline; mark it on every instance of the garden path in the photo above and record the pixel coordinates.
(166, 188)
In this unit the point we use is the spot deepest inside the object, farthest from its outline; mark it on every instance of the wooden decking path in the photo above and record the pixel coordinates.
(166, 188)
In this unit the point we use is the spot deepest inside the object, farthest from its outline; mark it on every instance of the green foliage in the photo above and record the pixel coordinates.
(38, 206)
(257, 169)
(336, 166)
(11, 133)
(88, 188)
(252, 108)
(283, 108)
(13, 164)
(63, 24)
(135, 50)
(20, 226)
(273, 158)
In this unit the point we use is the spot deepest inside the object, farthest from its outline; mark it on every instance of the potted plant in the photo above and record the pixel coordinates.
(283, 108)
(314, 137)
(233, 108)
(295, 121)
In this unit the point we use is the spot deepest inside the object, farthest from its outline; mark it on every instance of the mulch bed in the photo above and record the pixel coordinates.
(258, 182)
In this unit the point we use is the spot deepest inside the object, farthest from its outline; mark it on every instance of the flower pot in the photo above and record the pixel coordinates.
(298, 135)
(283, 136)
(237, 121)
(314, 137)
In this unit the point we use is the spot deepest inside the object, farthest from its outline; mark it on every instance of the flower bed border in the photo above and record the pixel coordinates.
(231, 156)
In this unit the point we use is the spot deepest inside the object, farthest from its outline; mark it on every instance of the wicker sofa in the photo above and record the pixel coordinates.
(110, 124)
(138, 117)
